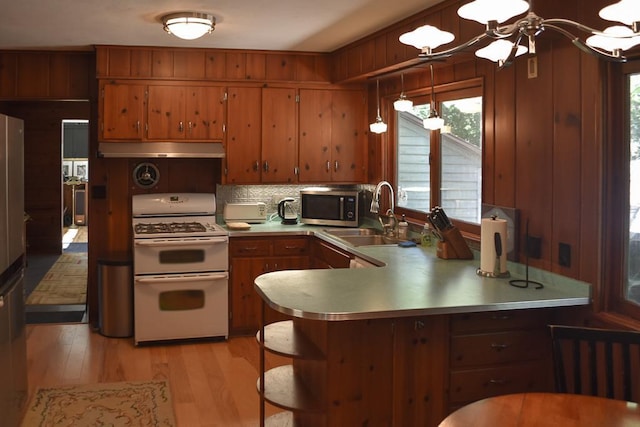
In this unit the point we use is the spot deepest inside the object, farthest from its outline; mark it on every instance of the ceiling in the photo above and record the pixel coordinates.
(289, 25)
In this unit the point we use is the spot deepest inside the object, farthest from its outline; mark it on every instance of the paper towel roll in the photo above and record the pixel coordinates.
(488, 228)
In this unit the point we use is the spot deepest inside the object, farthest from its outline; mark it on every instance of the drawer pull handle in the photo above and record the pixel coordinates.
(500, 317)
(497, 382)
(499, 347)
(292, 247)
(249, 249)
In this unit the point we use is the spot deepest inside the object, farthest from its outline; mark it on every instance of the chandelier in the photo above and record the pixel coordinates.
(189, 25)
(506, 38)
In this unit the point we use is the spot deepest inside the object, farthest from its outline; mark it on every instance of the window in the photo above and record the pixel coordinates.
(633, 246)
(442, 168)
(621, 221)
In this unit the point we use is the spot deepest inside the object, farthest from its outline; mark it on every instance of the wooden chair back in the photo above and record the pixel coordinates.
(597, 362)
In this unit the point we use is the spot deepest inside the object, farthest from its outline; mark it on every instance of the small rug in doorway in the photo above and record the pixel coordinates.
(64, 283)
(108, 404)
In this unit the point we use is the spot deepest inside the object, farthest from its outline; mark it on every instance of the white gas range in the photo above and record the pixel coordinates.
(180, 268)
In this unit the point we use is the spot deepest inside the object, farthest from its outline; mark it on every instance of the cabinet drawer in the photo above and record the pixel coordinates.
(498, 320)
(327, 254)
(499, 347)
(289, 247)
(470, 385)
(249, 247)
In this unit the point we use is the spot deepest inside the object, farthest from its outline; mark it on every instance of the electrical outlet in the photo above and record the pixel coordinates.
(277, 197)
(564, 254)
(534, 247)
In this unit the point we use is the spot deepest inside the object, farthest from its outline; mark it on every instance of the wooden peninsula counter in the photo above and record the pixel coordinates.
(406, 343)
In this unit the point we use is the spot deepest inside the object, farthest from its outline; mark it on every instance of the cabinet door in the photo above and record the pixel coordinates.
(243, 156)
(348, 127)
(245, 302)
(204, 113)
(166, 113)
(315, 135)
(279, 135)
(123, 108)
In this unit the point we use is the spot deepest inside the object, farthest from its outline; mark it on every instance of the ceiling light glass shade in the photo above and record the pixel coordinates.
(499, 50)
(403, 104)
(433, 122)
(378, 126)
(484, 11)
(188, 25)
(625, 11)
(426, 36)
(621, 39)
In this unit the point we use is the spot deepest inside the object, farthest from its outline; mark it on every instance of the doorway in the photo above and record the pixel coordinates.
(59, 295)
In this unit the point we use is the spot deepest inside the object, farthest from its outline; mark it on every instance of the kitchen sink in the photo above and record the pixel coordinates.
(341, 232)
(363, 236)
(376, 239)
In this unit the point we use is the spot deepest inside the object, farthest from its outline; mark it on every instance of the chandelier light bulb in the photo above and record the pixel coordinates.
(615, 38)
(625, 11)
(483, 11)
(426, 36)
(499, 50)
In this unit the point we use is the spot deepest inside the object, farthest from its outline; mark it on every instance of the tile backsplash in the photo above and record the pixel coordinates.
(268, 194)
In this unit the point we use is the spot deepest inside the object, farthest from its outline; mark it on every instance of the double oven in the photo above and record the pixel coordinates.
(180, 266)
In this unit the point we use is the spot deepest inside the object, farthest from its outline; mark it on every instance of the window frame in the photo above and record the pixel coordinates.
(616, 163)
(444, 92)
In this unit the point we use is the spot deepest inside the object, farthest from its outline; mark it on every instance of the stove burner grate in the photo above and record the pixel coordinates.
(173, 227)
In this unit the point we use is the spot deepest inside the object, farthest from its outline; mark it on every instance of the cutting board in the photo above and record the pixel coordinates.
(238, 226)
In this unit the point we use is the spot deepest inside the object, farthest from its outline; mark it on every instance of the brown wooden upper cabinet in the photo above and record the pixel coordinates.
(136, 112)
(190, 113)
(332, 135)
(123, 107)
(279, 135)
(244, 131)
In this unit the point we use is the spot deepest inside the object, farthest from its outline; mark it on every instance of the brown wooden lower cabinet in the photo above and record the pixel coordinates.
(250, 257)
(409, 371)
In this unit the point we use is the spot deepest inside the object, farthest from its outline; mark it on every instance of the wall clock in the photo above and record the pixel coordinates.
(146, 175)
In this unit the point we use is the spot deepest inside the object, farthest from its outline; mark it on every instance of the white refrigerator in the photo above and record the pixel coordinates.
(13, 355)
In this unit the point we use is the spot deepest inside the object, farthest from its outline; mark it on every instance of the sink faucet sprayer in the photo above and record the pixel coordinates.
(388, 227)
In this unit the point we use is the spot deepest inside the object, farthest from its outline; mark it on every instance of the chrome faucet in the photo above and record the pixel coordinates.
(388, 227)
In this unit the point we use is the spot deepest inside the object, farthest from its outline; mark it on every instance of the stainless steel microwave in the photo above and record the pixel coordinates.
(326, 206)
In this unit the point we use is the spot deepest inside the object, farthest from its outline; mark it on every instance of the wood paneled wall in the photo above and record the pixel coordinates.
(543, 137)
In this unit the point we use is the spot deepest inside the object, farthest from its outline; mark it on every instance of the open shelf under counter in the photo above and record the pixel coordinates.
(284, 339)
(287, 391)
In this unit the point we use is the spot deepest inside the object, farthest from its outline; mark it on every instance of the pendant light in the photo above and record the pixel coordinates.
(433, 122)
(378, 126)
(402, 103)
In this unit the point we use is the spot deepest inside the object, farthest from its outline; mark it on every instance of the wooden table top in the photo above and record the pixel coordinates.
(545, 410)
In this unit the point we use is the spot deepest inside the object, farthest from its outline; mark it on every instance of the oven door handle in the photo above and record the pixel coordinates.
(168, 279)
(172, 242)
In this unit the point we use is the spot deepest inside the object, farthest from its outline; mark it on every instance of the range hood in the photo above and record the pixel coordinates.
(183, 150)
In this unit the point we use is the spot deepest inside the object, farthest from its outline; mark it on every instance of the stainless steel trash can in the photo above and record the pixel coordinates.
(115, 297)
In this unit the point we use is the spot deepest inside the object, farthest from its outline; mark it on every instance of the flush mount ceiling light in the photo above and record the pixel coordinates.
(189, 25)
(608, 44)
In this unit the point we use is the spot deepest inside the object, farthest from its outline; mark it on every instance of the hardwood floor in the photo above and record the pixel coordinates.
(212, 383)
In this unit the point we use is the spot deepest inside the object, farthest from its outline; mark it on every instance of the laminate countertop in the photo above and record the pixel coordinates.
(408, 282)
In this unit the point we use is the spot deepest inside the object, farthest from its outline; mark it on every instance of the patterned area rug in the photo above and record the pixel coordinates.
(64, 283)
(109, 404)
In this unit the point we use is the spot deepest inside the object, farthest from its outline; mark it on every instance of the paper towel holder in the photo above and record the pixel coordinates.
(498, 248)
